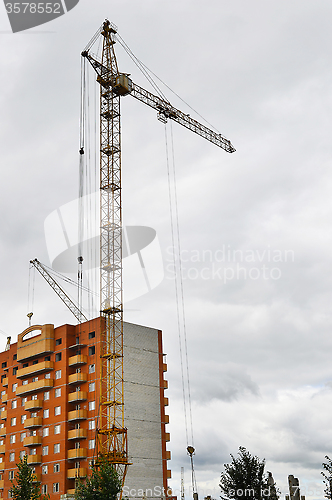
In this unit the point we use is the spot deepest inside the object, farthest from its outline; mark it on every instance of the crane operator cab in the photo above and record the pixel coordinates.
(123, 84)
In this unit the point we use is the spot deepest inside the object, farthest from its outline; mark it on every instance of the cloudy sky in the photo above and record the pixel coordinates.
(255, 225)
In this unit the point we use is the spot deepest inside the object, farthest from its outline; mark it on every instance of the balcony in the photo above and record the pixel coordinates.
(77, 378)
(79, 359)
(3, 431)
(77, 453)
(2, 465)
(165, 401)
(41, 385)
(37, 478)
(73, 473)
(2, 449)
(32, 441)
(169, 474)
(168, 455)
(33, 405)
(71, 492)
(166, 419)
(30, 423)
(5, 382)
(4, 398)
(3, 415)
(34, 459)
(167, 436)
(77, 396)
(77, 434)
(2, 484)
(45, 366)
(165, 384)
(164, 367)
(77, 415)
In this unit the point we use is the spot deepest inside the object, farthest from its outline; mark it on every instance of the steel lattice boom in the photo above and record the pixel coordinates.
(59, 291)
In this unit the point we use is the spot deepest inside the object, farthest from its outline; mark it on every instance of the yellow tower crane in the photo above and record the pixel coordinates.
(112, 433)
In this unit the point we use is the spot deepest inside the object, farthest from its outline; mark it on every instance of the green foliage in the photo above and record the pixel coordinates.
(23, 487)
(103, 484)
(244, 479)
(327, 478)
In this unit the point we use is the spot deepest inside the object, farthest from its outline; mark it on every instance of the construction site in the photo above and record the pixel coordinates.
(75, 393)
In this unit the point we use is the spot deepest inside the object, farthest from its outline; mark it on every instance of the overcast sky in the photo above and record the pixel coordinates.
(255, 224)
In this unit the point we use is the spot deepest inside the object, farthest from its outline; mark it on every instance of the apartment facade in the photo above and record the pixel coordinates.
(49, 403)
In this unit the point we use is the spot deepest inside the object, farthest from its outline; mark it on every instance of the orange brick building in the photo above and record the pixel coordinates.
(49, 407)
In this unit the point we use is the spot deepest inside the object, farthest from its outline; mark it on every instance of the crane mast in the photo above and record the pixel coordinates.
(112, 434)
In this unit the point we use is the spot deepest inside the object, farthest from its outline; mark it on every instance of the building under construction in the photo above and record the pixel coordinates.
(50, 396)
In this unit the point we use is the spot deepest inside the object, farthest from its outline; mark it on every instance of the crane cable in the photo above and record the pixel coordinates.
(180, 309)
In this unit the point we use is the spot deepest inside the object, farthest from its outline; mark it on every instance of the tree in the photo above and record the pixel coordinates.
(244, 478)
(327, 478)
(24, 486)
(103, 484)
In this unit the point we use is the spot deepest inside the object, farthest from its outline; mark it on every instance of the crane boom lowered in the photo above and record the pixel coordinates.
(59, 291)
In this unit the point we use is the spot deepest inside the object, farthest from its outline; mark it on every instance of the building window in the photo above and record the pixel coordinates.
(33, 414)
(58, 341)
(14, 387)
(46, 395)
(56, 468)
(14, 404)
(11, 475)
(23, 436)
(15, 357)
(35, 379)
(44, 489)
(22, 454)
(3, 393)
(44, 469)
(47, 358)
(10, 493)
(24, 400)
(13, 421)
(47, 375)
(45, 450)
(57, 448)
(4, 364)
(23, 418)
(57, 376)
(92, 425)
(57, 429)
(92, 405)
(77, 445)
(92, 335)
(46, 413)
(46, 431)
(77, 465)
(91, 444)
(12, 438)
(34, 397)
(92, 387)
(12, 457)
(58, 356)
(33, 451)
(25, 365)
(25, 382)
(92, 368)
(57, 392)
(92, 350)
(15, 370)
(35, 362)
(56, 487)
(57, 410)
